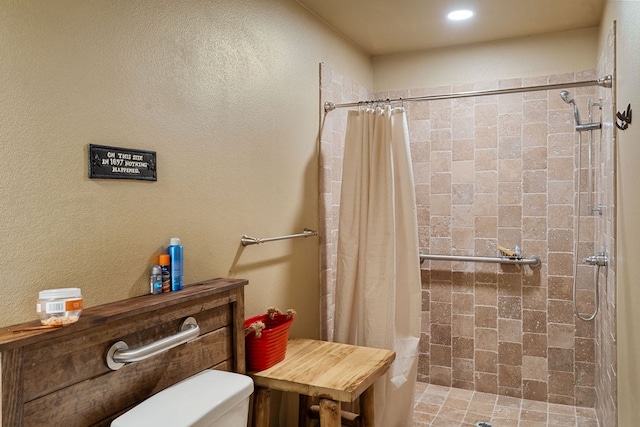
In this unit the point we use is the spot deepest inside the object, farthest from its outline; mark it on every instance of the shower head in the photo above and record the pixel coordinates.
(566, 97)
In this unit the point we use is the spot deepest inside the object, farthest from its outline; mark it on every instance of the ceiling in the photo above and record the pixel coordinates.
(382, 27)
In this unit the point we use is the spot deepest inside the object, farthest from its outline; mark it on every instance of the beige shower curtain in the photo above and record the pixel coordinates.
(378, 289)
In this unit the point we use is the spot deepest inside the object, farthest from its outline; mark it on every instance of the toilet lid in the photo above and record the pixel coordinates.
(199, 399)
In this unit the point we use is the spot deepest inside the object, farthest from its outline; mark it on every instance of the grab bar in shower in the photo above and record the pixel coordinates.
(119, 353)
(533, 261)
(247, 240)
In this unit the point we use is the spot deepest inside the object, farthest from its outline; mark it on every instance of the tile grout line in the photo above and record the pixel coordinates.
(515, 408)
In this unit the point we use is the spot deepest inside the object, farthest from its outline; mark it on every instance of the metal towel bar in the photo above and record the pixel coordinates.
(247, 240)
(119, 353)
(533, 261)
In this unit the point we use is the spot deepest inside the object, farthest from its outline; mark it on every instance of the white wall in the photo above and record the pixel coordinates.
(533, 56)
(626, 14)
(225, 92)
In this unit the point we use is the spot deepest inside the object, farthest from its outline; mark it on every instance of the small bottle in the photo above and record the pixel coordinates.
(165, 261)
(175, 253)
(155, 280)
(59, 307)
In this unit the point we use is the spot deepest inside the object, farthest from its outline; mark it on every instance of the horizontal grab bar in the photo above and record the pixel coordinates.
(247, 240)
(533, 261)
(119, 354)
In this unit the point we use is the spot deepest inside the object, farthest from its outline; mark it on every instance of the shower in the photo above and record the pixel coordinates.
(599, 260)
(568, 98)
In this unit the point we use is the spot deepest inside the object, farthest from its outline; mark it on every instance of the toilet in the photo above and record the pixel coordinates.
(208, 399)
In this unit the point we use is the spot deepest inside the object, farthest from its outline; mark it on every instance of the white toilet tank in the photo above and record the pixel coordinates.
(208, 399)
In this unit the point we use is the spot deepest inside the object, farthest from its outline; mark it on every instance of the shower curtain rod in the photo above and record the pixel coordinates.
(605, 81)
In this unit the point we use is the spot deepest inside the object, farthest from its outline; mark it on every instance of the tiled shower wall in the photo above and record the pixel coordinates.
(604, 178)
(501, 170)
(489, 171)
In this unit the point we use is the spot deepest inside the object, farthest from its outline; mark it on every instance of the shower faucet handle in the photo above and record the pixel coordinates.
(600, 260)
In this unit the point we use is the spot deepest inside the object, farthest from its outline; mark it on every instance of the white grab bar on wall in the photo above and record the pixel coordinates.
(533, 261)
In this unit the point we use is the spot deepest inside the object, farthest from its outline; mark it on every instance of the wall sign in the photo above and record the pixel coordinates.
(121, 163)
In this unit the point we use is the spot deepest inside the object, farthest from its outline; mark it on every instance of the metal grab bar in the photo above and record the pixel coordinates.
(119, 353)
(247, 240)
(533, 261)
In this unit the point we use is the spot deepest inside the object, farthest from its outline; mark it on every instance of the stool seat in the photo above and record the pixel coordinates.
(332, 372)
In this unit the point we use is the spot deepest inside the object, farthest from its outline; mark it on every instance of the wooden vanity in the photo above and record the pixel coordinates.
(59, 377)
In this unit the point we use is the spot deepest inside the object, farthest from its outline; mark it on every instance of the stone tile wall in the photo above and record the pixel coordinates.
(501, 170)
(604, 179)
(493, 170)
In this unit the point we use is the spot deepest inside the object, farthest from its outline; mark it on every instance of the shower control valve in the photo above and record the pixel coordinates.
(600, 260)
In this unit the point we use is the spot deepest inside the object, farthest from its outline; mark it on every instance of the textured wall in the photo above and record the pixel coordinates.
(226, 93)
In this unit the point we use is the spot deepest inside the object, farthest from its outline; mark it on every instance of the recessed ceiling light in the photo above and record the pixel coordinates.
(459, 15)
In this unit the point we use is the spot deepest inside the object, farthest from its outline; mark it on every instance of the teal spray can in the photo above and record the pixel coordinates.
(176, 254)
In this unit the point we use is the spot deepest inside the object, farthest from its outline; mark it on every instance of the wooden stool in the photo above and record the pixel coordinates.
(329, 371)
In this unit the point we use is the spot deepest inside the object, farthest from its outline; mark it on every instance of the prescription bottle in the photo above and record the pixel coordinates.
(59, 307)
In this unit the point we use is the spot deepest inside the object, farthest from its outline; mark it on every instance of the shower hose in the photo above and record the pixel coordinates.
(575, 249)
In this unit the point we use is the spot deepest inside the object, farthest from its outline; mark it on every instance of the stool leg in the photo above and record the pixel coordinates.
(329, 413)
(367, 408)
(303, 406)
(261, 407)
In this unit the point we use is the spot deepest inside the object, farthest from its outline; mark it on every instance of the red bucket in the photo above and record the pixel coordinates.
(271, 346)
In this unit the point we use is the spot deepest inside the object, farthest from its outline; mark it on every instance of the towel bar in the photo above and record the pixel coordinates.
(247, 240)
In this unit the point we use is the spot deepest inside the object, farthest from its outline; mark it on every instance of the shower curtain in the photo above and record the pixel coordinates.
(378, 290)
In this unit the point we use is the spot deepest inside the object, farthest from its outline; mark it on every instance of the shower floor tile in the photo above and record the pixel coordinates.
(439, 406)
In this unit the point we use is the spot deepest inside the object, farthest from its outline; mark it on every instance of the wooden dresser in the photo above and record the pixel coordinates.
(59, 377)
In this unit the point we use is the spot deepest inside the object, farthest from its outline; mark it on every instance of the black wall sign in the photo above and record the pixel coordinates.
(114, 162)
